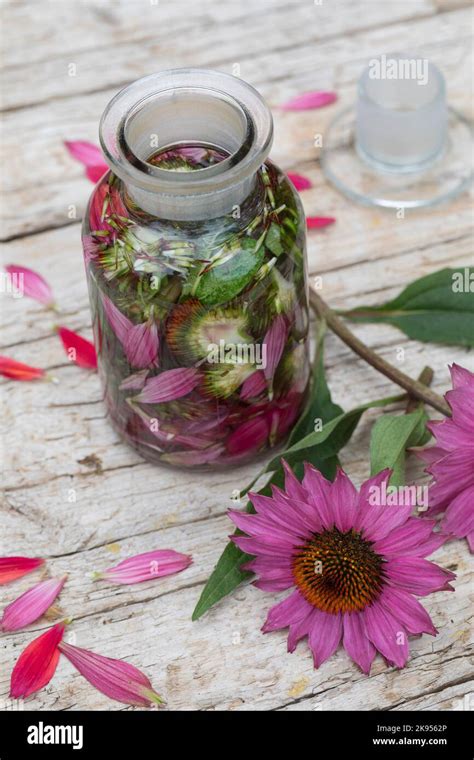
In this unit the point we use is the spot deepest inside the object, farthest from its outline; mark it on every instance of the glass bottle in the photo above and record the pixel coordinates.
(194, 244)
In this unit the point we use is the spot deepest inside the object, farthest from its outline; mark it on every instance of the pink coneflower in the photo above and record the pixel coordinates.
(354, 565)
(451, 461)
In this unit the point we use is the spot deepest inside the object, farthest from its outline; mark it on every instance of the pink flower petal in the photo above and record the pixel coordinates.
(19, 371)
(356, 642)
(317, 222)
(459, 518)
(249, 436)
(15, 567)
(253, 386)
(344, 498)
(299, 181)
(147, 566)
(90, 156)
(94, 173)
(417, 575)
(387, 634)
(291, 610)
(31, 284)
(308, 100)
(407, 610)
(120, 324)
(106, 202)
(324, 636)
(274, 340)
(31, 605)
(116, 679)
(134, 382)
(79, 350)
(407, 538)
(169, 385)
(37, 663)
(142, 344)
(461, 377)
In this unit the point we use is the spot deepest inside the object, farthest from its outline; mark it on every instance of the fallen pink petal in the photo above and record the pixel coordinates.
(31, 605)
(18, 371)
(169, 385)
(309, 100)
(300, 181)
(317, 222)
(37, 663)
(31, 284)
(116, 679)
(78, 349)
(12, 568)
(147, 566)
(90, 156)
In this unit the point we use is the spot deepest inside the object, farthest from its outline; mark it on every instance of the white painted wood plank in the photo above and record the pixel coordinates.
(73, 31)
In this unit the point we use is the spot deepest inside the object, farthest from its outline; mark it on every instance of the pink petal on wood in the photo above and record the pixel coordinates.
(116, 679)
(37, 663)
(79, 350)
(169, 385)
(31, 284)
(317, 222)
(90, 156)
(299, 181)
(19, 371)
(31, 605)
(147, 566)
(309, 100)
(15, 567)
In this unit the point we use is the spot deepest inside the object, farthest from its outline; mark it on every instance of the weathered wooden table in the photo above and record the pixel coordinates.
(75, 494)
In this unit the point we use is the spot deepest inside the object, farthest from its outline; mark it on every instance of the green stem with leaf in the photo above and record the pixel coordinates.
(415, 388)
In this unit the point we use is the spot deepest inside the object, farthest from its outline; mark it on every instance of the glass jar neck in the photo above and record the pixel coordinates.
(187, 106)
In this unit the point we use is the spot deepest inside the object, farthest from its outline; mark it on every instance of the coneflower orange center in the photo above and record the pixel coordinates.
(338, 572)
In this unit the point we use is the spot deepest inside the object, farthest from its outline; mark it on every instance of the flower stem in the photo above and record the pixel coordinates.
(414, 387)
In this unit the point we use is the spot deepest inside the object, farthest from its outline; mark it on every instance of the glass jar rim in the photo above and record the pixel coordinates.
(231, 99)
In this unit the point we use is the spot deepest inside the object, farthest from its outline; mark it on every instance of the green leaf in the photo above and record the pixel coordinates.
(334, 434)
(224, 281)
(437, 308)
(391, 436)
(273, 239)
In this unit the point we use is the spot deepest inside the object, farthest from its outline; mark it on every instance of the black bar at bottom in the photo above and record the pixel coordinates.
(129, 733)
